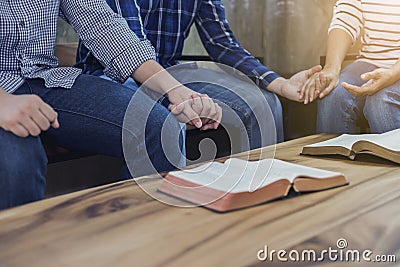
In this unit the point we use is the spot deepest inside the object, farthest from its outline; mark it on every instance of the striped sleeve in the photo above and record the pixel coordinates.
(348, 16)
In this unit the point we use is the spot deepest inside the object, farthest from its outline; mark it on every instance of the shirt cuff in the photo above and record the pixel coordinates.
(264, 77)
(125, 64)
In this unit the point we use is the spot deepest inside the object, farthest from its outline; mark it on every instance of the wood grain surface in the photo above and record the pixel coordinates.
(120, 225)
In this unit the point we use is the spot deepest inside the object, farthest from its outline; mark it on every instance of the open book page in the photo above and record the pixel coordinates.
(268, 171)
(345, 140)
(390, 140)
(237, 175)
(220, 176)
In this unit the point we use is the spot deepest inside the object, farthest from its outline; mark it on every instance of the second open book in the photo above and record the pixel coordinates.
(238, 183)
(385, 145)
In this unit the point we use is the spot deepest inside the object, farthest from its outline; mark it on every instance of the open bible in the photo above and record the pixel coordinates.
(238, 183)
(386, 145)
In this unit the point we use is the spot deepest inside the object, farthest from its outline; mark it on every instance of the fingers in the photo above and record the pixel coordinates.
(30, 125)
(176, 109)
(19, 130)
(41, 121)
(191, 115)
(309, 92)
(50, 114)
(355, 90)
(208, 111)
(313, 70)
(326, 91)
(38, 117)
(200, 111)
(370, 75)
(214, 124)
(197, 103)
(308, 89)
(323, 83)
(317, 87)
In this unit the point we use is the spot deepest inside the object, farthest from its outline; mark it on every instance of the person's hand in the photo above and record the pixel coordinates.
(290, 88)
(376, 81)
(25, 115)
(319, 85)
(194, 108)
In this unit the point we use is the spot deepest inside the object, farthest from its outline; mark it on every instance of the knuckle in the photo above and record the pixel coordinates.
(10, 122)
(35, 99)
(26, 106)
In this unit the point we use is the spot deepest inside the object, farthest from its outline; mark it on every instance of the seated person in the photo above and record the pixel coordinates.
(166, 24)
(82, 112)
(369, 87)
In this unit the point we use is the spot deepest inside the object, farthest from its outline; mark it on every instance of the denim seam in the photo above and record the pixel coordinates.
(95, 118)
(29, 86)
(347, 110)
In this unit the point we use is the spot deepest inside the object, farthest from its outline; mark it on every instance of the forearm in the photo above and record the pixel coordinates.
(339, 43)
(396, 70)
(392, 76)
(162, 82)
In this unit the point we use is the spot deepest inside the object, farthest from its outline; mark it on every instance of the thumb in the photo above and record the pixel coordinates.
(313, 70)
(370, 75)
(176, 109)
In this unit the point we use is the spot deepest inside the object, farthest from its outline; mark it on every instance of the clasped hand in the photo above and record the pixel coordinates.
(194, 108)
(26, 115)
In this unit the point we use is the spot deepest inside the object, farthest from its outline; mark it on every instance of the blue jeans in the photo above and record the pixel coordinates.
(231, 102)
(91, 116)
(340, 111)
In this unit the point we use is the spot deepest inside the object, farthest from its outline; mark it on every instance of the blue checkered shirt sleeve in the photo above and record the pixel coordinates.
(223, 47)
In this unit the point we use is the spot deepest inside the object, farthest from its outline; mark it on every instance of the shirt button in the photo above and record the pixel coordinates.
(22, 23)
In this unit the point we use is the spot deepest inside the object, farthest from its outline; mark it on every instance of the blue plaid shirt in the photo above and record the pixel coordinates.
(166, 23)
(28, 37)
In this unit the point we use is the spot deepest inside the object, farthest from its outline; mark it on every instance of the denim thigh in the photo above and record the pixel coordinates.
(91, 116)
(253, 107)
(382, 110)
(339, 111)
(23, 165)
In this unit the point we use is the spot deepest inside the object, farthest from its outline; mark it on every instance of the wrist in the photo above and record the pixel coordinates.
(335, 69)
(277, 86)
(3, 94)
(395, 69)
(172, 92)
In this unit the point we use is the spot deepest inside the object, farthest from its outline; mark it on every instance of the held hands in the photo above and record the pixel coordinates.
(320, 84)
(289, 88)
(194, 108)
(25, 115)
(376, 81)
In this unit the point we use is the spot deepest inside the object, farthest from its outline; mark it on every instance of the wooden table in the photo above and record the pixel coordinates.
(119, 225)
